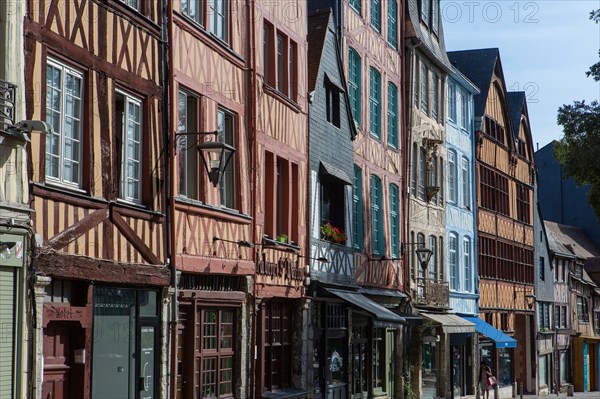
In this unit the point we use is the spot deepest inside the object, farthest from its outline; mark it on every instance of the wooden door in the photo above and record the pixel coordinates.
(57, 361)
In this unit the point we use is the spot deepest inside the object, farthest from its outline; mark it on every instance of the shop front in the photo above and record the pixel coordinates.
(496, 349)
(355, 343)
(586, 363)
(444, 354)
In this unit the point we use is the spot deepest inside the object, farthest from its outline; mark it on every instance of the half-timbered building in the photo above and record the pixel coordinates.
(92, 72)
(212, 224)
(584, 302)
(562, 262)
(279, 132)
(371, 36)
(432, 183)
(505, 179)
(15, 233)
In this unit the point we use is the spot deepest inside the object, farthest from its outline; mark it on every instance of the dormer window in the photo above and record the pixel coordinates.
(332, 98)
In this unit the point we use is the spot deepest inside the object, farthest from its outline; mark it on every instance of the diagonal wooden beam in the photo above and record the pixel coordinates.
(133, 238)
(79, 228)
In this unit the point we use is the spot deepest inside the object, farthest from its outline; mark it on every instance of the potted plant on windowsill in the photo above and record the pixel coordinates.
(333, 234)
(282, 238)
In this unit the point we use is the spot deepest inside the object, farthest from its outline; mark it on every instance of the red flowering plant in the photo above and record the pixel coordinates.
(333, 234)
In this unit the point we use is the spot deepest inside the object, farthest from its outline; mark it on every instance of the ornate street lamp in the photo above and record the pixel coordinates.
(424, 255)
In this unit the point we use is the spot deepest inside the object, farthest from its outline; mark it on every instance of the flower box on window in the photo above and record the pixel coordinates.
(333, 234)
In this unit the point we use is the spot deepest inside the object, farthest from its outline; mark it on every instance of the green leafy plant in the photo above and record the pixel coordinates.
(282, 238)
(333, 234)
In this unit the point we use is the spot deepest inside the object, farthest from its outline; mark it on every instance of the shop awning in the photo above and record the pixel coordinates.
(384, 318)
(451, 323)
(502, 340)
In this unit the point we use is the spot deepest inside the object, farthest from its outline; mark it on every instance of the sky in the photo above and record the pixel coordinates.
(546, 46)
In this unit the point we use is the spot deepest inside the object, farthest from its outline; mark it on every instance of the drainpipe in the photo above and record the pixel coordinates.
(168, 234)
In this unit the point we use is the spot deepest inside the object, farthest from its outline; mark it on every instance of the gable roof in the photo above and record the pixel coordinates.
(435, 49)
(478, 66)
(318, 23)
(516, 102)
(572, 238)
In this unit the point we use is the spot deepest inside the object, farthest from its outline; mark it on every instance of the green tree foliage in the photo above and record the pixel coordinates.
(579, 149)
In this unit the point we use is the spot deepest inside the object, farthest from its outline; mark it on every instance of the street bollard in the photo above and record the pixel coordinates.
(521, 390)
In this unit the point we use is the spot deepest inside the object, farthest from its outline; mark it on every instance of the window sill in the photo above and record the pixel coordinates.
(282, 97)
(274, 243)
(65, 186)
(219, 212)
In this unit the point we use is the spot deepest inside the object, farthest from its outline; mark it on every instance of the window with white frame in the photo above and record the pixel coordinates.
(466, 183)
(129, 125)
(226, 134)
(422, 173)
(193, 9)
(433, 261)
(453, 261)
(435, 94)
(424, 88)
(467, 264)
(452, 181)
(452, 101)
(188, 118)
(464, 109)
(219, 19)
(64, 112)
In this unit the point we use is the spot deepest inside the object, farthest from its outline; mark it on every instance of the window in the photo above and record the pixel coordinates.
(357, 212)
(413, 257)
(355, 4)
(582, 310)
(375, 102)
(394, 220)
(494, 129)
(544, 316)
(277, 335)
(542, 269)
(376, 216)
(379, 359)
(281, 63)
(129, 126)
(332, 202)
(494, 190)
(219, 19)
(135, 4)
(392, 115)
(416, 85)
(64, 112)
(523, 207)
(433, 261)
(193, 9)
(441, 177)
(225, 129)
(432, 178)
(281, 197)
(464, 110)
(422, 173)
(376, 15)
(393, 23)
(425, 11)
(435, 15)
(452, 101)
(332, 98)
(354, 83)
(188, 157)
(467, 264)
(268, 53)
(597, 322)
(424, 89)
(414, 169)
(564, 321)
(543, 366)
(453, 261)
(280, 59)
(435, 93)
(452, 181)
(420, 244)
(215, 352)
(466, 184)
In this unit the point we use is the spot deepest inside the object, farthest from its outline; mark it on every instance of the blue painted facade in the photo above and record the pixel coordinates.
(460, 196)
(561, 200)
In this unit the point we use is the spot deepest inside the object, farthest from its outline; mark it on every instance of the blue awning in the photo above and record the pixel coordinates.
(502, 340)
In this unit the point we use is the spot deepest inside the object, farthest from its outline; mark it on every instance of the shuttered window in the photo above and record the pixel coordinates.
(7, 331)
(357, 212)
(354, 85)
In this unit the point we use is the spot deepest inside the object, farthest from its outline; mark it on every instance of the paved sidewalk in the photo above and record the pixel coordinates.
(577, 395)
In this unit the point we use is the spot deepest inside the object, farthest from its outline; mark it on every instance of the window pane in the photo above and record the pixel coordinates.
(281, 63)
(376, 14)
(392, 23)
(375, 102)
(357, 208)
(354, 83)
(392, 115)
(394, 220)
